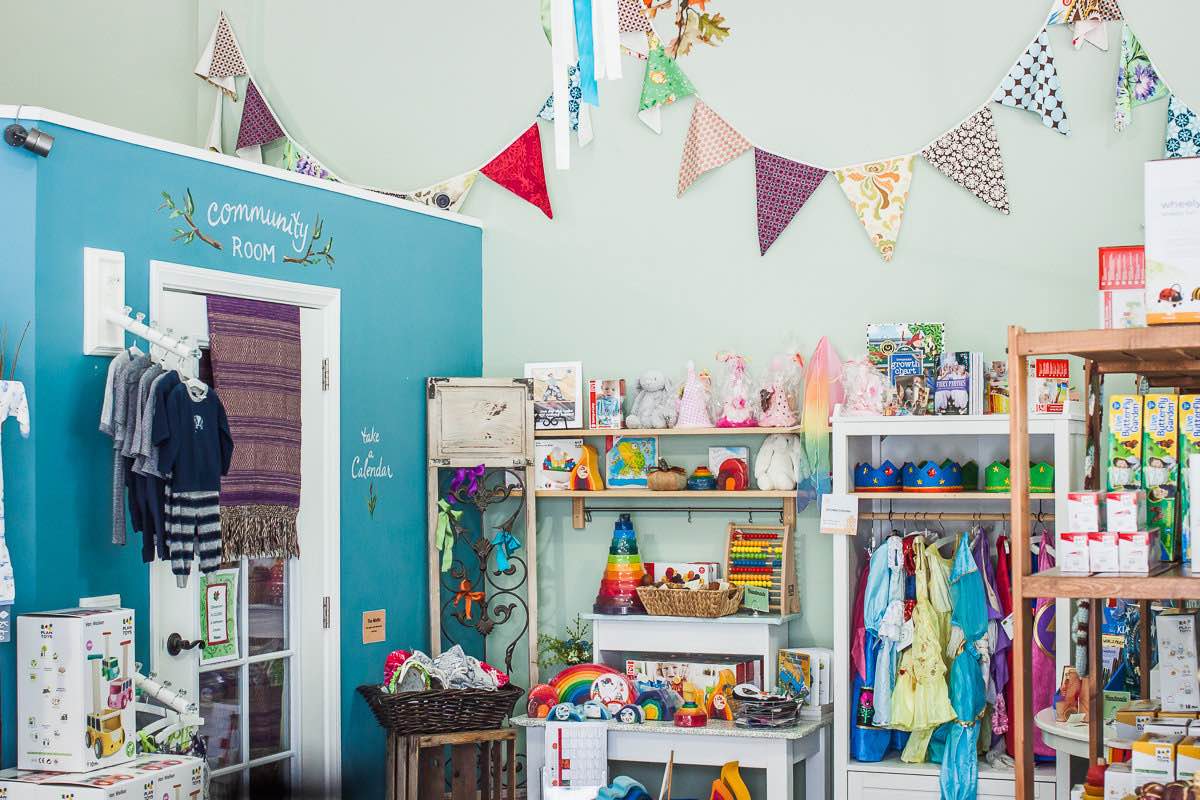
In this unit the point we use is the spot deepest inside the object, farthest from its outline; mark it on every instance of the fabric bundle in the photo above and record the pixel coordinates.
(255, 350)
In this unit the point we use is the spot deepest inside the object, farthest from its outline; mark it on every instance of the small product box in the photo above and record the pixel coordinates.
(1118, 782)
(1124, 443)
(1193, 480)
(1102, 552)
(1160, 469)
(1172, 204)
(1125, 512)
(1133, 717)
(147, 776)
(1083, 511)
(1137, 552)
(75, 689)
(606, 398)
(1187, 759)
(706, 571)
(1072, 553)
(1177, 656)
(1123, 287)
(1048, 385)
(1189, 445)
(1154, 758)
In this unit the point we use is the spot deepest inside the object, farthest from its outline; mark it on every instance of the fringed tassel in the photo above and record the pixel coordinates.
(258, 531)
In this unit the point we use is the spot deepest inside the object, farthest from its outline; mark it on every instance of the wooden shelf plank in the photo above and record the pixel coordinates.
(1172, 583)
(950, 497)
(645, 494)
(1163, 349)
(578, 433)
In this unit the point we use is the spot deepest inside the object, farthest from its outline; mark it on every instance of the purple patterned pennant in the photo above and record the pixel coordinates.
(783, 187)
(259, 125)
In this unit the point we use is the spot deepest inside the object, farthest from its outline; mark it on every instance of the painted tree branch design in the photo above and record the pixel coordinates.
(314, 256)
(192, 232)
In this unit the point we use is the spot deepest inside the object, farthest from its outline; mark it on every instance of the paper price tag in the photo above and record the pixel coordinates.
(839, 514)
(1007, 624)
(906, 635)
(757, 598)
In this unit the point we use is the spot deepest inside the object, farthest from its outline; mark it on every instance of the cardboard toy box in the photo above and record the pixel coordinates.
(148, 776)
(1154, 758)
(703, 672)
(1124, 443)
(1177, 656)
(1160, 469)
(706, 571)
(1189, 445)
(1172, 205)
(1131, 719)
(1083, 511)
(75, 689)
(1122, 286)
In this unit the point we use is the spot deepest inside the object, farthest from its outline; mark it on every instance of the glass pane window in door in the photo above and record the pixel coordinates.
(267, 591)
(268, 707)
(221, 709)
(226, 787)
(271, 780)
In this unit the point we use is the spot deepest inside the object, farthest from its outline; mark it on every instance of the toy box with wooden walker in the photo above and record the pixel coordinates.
(162, 777)
(75, 689)
(1172, 197)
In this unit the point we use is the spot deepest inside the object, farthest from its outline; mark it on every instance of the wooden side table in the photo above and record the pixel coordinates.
(416, 765)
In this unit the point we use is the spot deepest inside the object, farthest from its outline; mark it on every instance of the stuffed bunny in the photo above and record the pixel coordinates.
(777, 465)
(654, 404)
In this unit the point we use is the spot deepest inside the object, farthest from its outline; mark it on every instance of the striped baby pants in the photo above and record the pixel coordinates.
(193, 525)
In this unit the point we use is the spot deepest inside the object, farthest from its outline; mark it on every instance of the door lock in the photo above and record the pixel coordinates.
(176, 644)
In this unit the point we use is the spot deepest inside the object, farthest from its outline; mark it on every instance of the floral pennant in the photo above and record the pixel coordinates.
(519, 169)
(664, 84)
(1067, 12)
(581, 117)
(1032, 84)
(1137, 80)
(222, 59)
(782, 187)
(297, 159)
(447, 195)
(1183, 131)
(878, 192)
(632, 17)
(258, 125)
(711, 142)
(969, 155)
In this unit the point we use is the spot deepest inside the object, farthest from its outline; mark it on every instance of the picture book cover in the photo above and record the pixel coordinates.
(906, 374)
(629, 461)
(996, 401)
(952, 391)
(925, 339)
(554, 461)
(606, 399)
(557, 394)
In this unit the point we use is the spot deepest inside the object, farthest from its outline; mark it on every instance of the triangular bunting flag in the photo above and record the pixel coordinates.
(782, 188)
(222, 59)
(447, 195)
(664, 84)
(878, 192)
(1092, 30)
(1065, 12)
(581, 117)
(711, 142)
(1032, 84)
(519, 169)
(969, 155)
(632, 17)
(1137, 80)
(1183, 131)
(297, 159)
(258, 125)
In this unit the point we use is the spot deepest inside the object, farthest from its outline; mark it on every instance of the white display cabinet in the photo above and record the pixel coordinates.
(1058, 439)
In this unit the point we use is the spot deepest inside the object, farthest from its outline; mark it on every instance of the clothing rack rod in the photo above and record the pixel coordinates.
(933, 516)
(152, 335)
(689, 510)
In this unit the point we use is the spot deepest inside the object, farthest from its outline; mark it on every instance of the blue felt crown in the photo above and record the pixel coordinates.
(884, 478)
(932, 477)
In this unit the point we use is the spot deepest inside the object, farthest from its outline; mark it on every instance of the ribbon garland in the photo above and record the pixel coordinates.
(471, 477)
(464, 593)
(505, 544)
(444, 535)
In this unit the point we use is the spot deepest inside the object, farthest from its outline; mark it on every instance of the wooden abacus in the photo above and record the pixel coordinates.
(761, 555)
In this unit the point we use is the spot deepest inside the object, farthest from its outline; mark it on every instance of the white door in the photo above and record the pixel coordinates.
(270, 711)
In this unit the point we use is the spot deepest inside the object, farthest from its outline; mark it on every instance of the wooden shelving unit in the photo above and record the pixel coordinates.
(582, 433)
(1167, 356)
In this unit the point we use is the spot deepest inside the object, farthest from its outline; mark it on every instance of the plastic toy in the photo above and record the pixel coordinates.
(574, 684)
(694, 400)
(736, 410)
(734, 475)
(587, 475)
(631, 715)
(778, 394)
(653, 405)
(701, 480)
(542, 698)
(692, 714)
(622, 574)
(778, 463)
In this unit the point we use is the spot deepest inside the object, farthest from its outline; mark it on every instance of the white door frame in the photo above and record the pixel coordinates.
(166, 276)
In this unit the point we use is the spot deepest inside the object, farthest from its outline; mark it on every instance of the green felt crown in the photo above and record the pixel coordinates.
(970, 475)
(998, 478)
(1041, 478)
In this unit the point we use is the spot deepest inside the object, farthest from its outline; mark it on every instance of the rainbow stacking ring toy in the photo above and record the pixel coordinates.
(574, 684)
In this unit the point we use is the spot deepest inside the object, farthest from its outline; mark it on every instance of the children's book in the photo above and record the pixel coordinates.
(629, 461)
(906, 374)
(952, 390)
(605, 401)
(554, 461)
(924, 339)
(997, 388)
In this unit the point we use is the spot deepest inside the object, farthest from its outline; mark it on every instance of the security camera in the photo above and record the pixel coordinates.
(35, 141)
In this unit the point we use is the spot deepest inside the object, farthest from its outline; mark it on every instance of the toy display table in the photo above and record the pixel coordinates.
(776, 750)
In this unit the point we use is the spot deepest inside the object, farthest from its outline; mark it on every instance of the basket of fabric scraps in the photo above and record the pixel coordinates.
(453, 692)
(678, 598)
(754, 708)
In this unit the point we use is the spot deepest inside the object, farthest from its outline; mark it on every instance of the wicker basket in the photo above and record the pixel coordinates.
(441, 711)
(687, 603)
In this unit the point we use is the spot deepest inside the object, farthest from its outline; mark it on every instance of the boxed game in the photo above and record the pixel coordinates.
(1172, 227)
(1160, 469)
(1137, 551)
(1130, 720)
(554, 460)
(75, 690)
(1083, 511)
(686, 570)
(1102, 552)
(1187, 759)
(1123, 287)
(1071, 555)
(1124, 442)
(1189, 445)
(147, 776)
(1049, 384)
(1125, 512)
(1154, 758)
(606, 399)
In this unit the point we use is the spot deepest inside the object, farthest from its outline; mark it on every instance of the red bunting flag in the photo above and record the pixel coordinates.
(711, 142)
(782, 187)
(519, 169)
(258, 125)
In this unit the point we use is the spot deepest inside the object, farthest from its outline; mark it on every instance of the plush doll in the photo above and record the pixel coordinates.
(693, 402)
(777, 465)
(736, 409)
(653, 406)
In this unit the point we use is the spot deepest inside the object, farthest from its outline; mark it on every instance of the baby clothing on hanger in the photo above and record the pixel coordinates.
(13, 403)
(113, 408)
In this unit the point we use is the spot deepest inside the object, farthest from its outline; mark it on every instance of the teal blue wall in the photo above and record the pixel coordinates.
(411, 306)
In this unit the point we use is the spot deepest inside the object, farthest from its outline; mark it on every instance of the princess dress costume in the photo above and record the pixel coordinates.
(959, 776)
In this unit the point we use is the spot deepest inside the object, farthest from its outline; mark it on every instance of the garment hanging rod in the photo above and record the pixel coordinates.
(933, 516)
(727, 510)
(143, 331)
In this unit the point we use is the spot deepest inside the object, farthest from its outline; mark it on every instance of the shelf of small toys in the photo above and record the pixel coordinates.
(761, 556)
(579, 498)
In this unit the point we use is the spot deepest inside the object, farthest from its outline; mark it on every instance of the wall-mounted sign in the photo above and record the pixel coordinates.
(219, 616)
(374, 626)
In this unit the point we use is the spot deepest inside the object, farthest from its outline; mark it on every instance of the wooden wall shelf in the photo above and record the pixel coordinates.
(581, 433)
(1169, 582)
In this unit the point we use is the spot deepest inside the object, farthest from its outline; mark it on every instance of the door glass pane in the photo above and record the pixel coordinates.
(226, 787)
(266, 581)
(271, 780)
(268, 707)
(222, 716)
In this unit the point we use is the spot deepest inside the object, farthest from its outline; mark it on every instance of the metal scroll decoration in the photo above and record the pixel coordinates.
(479, 599)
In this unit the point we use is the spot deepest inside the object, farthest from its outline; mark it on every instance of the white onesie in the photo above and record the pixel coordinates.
(12, 404)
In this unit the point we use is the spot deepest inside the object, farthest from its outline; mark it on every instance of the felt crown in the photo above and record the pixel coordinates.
(884, 478)
(999, 478)
(1041, 478)
(970, 475)
(932, 478)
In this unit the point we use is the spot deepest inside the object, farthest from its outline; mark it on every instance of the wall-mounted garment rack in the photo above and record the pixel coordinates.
(138, 327)
(955, 516)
